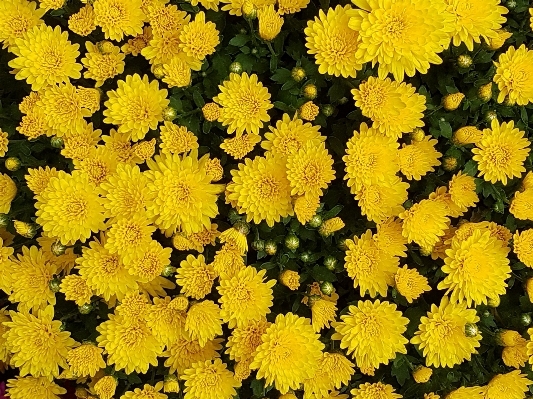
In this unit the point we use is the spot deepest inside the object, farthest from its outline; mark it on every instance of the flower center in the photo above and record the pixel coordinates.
(371, 325)
(181, 191)
(19, 25)
(499, 155)
(110, 264)
(268, 188)
(394, 28)
(75, 209)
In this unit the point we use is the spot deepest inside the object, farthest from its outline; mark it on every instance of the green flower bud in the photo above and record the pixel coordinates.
(464, 61)
(328, 109)
(54, 284)
(58, 248)
(330, 262)
(235, 67)
(242, 227)
(86, 308)
(292, 242)
(270, 247)
(327, 288)
(315, 222)
(168, 271)
(169, 114)
(298, 74)
(258, 245)
(56, 142)
(12, 164)
(342, 244)
(4, 220)
(471, 330)
(525, 319)
(158, 71)
(305, 257)
(490, 116)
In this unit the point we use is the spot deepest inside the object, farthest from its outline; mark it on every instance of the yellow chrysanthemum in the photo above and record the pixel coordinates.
(330, 226)
(430, 214)
(76, 289)
(372, 333)
(244, 104)
(195, 277)
(207, 236)
(515, 356)
(512, 385)
(214, 169)
(105, 387)
(78, 144)
(166, 322)
(291, 6)
(522, 204)
(474, 392)
(45, 56)
(83, 22)
(98, 164)
(381, 200)
(37, 179)
(441, 335)
(308, 111)
(370, 158)
(177, 73)
(261, 189)
(228, 260)
(333, 43)
(501, 152)
(245, 297)
(89, 98)
(289, 135)
(389, 238)
(333, 370)
(129, 237)
(16, 18)
(143, 150)
(270, 22)
(138, 43)
(184, 197)
(27, 387)
(149, 263)
(44, 347)
(323, 312)
(403, 36)
(183, 352)
(85, 360)
(8, 191)
(376, 390)
(4, 142)
(129, 344)
(475, 19)
(467, 135)
(238, 147)
(477, 269)
(305, 207)
(410, 283)
(289, 354)
(28, 103)
(514, 75)
(148, 392)
(177, 139)
(165, 18)
(462, 189)
(394, 108)
(418, 158)
(205, 380)
(204, 321)
(235, 7)
(33, 125)
(523, 247)
(371, 268)
(243, 341)
(136, 106)
(441, 196)
(119, 18)
(211, 111)
(199, 38)
(161, 49)
(422, 374)
(102, 66)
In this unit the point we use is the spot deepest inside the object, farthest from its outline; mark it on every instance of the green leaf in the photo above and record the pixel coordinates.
(332, 212)
(198, 99)
(239, 40)
(268, 265)
(400, 369)
(445, 129)
(258, 388)
(134, 379)
(470, 168)
(320, 273)
(281, 75)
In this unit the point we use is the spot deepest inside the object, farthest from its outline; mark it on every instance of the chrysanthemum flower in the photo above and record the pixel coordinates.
(522, 205)
(238, 147)
(305, 207)
(441, 196)
(183, 352)
(85, 360)
(195, 277)
(376, 390)
(410, 283)
(474, 392)
(308, 111)
(333, 43)
(199, 38)
(100, 66)
(515, 356)
(133, 307)
(430, 214)
(83, 22)
(8, 191)
(166, 322)
(467, 135)
(394, 108)
(245, 297)
(136, 106)
(128, 237)
(371, 268)
(228, 261)
(89, 98)
(389, 237)
(4, 142)
(148, 391)
(129, 344)
(207, 236)
(333, 370)
(76, 289)
(33, 125)
(98, 164)
(514, 75)
(211, 111)
(45, 57)
(119, 18)
(370, 157)
(270, 22)
(177, 139)
(204, 321)
(214, 169)
(177, 73)
(477, 269)
(261, 189)
(403, 37)
(501, 152)
(209, 379)
(165, 18)
(441, 335)
(37, 178)
(149, 263)
(234, 7)
(143, 150)
(462, 189)
(512, 385)
(29, 102)
(289, 135)
(161, 49)
(289, 354)
(418, 158)
(78, 144)
(135, 46)
(27, 387)
(105, 273)
(291, 6)
(243, 341)
(16, 18)
(44, 347)
(523, 247)
(236, 237)
(185, 198)
(105, 387)
(323, 312)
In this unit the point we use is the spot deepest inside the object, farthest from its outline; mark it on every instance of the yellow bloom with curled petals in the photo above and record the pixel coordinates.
(205, 380)
(149, 263)
(119, 18)
(514, 75)
(148, 392)
(410, 283)
(199, 38)
(418, 158)
(37, 179)
(83, 22)
(79, 144)
(177, 73)
(467, 135)
(474, 392)
(291, 6)
(85, 360)
(382, 199)
(290, 279)
(522, 204)
(238, 147)
(323, 312)
(523, 247)
(76, 289)
(105, 387)
(512, 385)
(270, 22)
(389, 237)
(243, 341)
(195, 277)
(40, 387)
(138, 43)
(204, 321)
(462, 189)
(376, 390)
(100, 66)
(183, 352)
(127, 237)
(334, 370)
(305, 207)
(16, 18)
(515, 356)
(177, 139)
(430, 214)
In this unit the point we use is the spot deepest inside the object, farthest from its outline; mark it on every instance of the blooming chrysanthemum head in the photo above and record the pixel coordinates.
(389, 237)
(501, 152)
(148, 264)
(147, 392)
(289, 354)
(270, 22)
(305, 207)
(129, 237)
(78, 144)
(183, 352)
(522, 204)
(76, 289)
(26, 387)
(210, 379)
(323, 312)
(333, 43)
(512, 385)
(244, 104)
(515, 356)
(376, 390)
(462, 189)
(291, 6)
(410, 283)
(514, 75)
(177, 139)
(16, 18)
(523, 247)
(37, 179)
(199, 38)
(165, 18)
(98, 164)
(418, 158)
(429, 213)
(8, 191)
(105, 387)
(204, 321)
(195, 277)
(119, 18)
(177, 73)
(238, 147)
(243, 341)
(100, 66)
(83, 22)
(228, 260)
(382, 199)
(85, 360)
(138, 43)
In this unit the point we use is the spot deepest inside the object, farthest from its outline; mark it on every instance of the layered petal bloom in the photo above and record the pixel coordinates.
(514, 75)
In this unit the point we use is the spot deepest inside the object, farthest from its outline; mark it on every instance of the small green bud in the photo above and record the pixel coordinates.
(58, 249)
(270, 247)
(56, 142)
(255, 51)
(292, 242)
(343, 100)
(169, 114)
(12, 164)
(525, 319)
(486, 314)
(305, 256)
(328, 109)
(63, 326)
(312, 299)
(330, 262)
(258, 245)
(315, 222)
(235, 67)
(242, 227)
(298, 74)
(327, 288)
(310, 91)
(511, 4)
(342, 244)
(4, 220)
(464, 61)
(54, 284)
(490, 116)
(471, 330)
(168, 271)
(158, 71)
(85, 308)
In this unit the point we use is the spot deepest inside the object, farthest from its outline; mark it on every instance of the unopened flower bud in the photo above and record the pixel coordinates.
(4, 220)
(452, 101)
(159, 71)
(54, 284)
(168, 271)
(315, 222)
(258, 245)
(292, 242)
(327, 288)
(57, 248)
(271, 248)
(310, 91)
(169, 114)
(464, 61)
(485, 92)
(298, 74)
(328, 109)
(490, 116)
(450, 164)
(12, 164)
(85, 308)
(105, 47)
(235, 67)
(471, 330)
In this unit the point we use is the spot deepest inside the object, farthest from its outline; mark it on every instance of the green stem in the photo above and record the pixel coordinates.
(270, 48)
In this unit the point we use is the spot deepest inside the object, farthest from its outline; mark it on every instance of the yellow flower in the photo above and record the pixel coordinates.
(27, 387)
(171, 384)
(148, 392)
(382, 199)
(523, 247)
(83, 22)
(85, 360)
(33, 125)
(245, 297)
(199, 38)
(166, 18)
(330, 226)
(243, 341)
(333, 370)
(501, 152)
(105, 387)
(16, 18)
(242, 369)
(207, 4)
(205, 380)
(214, 169)
(389, 238)
(515, 356)
(270, 22)
(333, 43)
(148, 263)
(3, 143)
(372, 333)
(177, 139)
(98, 164)
(509, 338)
(462, 190)
(290, 353)
(195, 277)
(451, 102)
(76, 289)
(8, 191)
(89, 98)
(135, 46)
(35, 354)
(290, 279)
(166, 322)
(136, 106)
(322, 313)
(377, 390)
(467, 393)
(28, 103)
(522, 204)
(206, 236)
(441, 335)
(183, 352)
(512, 385)
(211, 111)
(514, 75)
(430, 214)
(422, 374)
(238, 147)
(308, 111)
(162, 48)
(119, 18)
(143, 150)
(305, 207)
(129, 237)
(499, 40)
(36, 49)
(234, 7)
(394, 108)
(78, 144)
(371, 268)
(485, 92)
(236, 237)
(204, 321)
(177, 73)
(370, 158)
(228, 260)
(410, 283)
(100, 66)
(291, 6)
(418, 158)
(244, 104)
